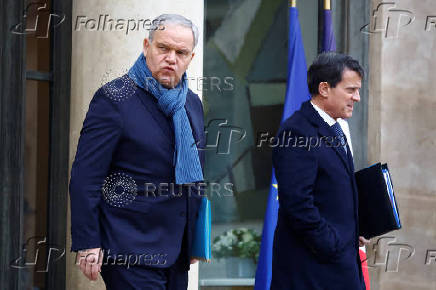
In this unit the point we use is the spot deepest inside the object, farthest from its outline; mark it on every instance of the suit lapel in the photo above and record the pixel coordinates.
(324, 130)
(150, 104)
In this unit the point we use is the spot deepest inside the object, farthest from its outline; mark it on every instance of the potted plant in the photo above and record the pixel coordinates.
(240, 247)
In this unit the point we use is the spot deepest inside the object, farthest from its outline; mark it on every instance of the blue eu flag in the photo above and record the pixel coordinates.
(296, 93)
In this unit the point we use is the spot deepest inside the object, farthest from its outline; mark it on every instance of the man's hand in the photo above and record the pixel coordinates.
(89, 262)
(363, 241)
(193, 260)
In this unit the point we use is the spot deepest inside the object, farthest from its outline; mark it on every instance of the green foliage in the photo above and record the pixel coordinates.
(241, 242)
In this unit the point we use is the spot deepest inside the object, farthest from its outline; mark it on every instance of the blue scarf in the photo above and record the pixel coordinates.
(172, 104)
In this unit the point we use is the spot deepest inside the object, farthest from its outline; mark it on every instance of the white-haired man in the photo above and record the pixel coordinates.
(138, 142)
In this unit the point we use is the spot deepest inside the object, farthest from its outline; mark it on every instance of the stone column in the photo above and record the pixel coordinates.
(100, 54)
(402, 132)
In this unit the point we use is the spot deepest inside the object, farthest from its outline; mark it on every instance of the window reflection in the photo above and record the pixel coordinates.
(245, 41)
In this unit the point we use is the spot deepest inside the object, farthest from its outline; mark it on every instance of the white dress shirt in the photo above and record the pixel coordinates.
(330, 121)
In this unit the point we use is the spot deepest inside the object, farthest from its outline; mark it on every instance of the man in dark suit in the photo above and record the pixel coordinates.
(316, 243)
(133, 202)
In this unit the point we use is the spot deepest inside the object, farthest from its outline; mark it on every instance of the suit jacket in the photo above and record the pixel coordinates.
(126, 137)
(316, 239)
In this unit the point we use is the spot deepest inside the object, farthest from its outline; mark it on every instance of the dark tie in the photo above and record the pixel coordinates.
(343, 139)
(340, 135)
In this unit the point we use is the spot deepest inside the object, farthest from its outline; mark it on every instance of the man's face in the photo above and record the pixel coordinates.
(169, 54)
(339, 101)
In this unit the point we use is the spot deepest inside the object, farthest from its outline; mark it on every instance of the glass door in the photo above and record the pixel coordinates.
(246, 54)
(35, 129)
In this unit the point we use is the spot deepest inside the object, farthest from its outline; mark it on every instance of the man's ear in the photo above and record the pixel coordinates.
(146, 45)
(192, 56)
(323, 89)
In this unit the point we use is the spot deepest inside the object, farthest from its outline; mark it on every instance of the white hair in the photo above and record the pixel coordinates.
(175, 19)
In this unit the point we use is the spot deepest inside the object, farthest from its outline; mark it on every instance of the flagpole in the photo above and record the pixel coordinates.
(327, 4)
(292, 3)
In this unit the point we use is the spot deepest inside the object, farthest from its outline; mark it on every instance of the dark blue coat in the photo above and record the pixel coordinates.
(125, 132)
(316, 239)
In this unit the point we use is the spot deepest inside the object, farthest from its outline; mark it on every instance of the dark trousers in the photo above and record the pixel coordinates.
(118, 277)
(143, 277)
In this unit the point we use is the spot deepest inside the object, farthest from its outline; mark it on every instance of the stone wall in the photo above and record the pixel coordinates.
(402, 132)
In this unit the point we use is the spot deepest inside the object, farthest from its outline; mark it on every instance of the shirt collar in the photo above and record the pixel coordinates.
(326, 117)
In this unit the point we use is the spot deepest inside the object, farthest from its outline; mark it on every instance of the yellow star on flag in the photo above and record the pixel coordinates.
(276, 187)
